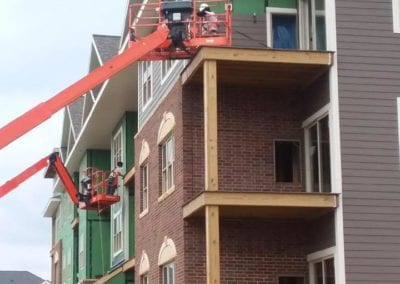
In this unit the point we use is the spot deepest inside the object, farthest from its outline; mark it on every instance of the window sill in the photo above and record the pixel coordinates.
(143, 213)
(166, 194)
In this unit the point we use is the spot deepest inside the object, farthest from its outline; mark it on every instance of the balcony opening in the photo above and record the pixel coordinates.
(287, 161)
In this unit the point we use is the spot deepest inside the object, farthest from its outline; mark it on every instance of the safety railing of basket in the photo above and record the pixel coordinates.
(145, 17)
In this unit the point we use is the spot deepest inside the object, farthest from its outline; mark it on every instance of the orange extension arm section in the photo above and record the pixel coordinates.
(13, 183)
(45, 110)
(64, 176)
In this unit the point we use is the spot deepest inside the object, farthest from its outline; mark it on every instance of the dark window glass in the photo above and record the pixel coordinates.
(284, 30)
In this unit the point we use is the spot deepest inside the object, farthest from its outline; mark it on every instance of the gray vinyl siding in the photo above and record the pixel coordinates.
(369, 83)
(249, 32)
(160, 88)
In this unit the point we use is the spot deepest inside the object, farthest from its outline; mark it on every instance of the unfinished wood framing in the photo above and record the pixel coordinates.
(129, 265)
(212, 244)
(210, 126)
(316, 62)
(301, 201)
(129, 178)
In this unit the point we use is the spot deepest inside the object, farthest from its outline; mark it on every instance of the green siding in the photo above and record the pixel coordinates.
(241, 7)
(123, 278)
(282, 3)
(94, 227)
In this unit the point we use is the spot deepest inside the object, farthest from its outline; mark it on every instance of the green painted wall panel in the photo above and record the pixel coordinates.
(282, 3)
(118, 279)
(241, 7)
(94, 227)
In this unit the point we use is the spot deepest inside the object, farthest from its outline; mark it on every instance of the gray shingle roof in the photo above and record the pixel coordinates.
(107, 46)
(19, 277)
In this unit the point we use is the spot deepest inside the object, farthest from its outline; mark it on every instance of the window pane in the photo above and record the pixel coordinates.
(320, 25)
(319, 279)
(284, 30)
(314, 175)
(329, 271)
(165, 275)
(325, 155)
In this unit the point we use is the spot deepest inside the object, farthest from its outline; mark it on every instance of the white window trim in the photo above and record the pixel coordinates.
(398, 121)
(318, 256)
(166, 265)
(164, 77)
(145, 75)
(306, 125)
(168, 191)
(146, 208)
(117, 214)
(270, 11)
(396, 15)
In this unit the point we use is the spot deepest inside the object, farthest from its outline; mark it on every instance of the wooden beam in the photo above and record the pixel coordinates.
(210, 125)
(130, 176)
(129, 265)
(212, 245)
(291, 57)
(126, 266)
(193, 66)
(260, 199)
(268, 56)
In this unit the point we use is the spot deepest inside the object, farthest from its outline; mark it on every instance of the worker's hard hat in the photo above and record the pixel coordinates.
(203, 7)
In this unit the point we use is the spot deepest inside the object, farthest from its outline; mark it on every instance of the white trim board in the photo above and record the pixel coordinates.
(396, 15)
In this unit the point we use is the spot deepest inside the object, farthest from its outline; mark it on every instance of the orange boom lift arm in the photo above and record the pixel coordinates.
(176, 32)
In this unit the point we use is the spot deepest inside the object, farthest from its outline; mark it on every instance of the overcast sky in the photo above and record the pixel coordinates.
(44, 47)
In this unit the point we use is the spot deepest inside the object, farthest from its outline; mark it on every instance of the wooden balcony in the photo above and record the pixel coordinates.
(287, 71)
(262, 204)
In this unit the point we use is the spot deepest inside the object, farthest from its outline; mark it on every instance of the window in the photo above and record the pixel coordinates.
(318, 156)
(168, 273)
(396, 16)
(300, 25)
(144, 194)
(168, 156)
(146, 73)
(287, 161)
(323, 271)
(144, 279)
(322, 266)
(117, 148)
(283, 28)
(117, 233)
(117, 154)
(290, 280)
(166, 67)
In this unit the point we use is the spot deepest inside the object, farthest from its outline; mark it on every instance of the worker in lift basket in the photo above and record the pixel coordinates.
(112, 180)
(210, 25)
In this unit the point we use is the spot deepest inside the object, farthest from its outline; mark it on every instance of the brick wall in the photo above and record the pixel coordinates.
(164, 217)
(252, 251)
(248, 123)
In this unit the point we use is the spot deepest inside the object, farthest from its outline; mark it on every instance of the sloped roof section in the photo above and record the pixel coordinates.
(76, 112)
(20, 277)
(107, 46)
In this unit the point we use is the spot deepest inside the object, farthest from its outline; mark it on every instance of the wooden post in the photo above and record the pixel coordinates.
(210, 125)
(211, 170)
(212, 244)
